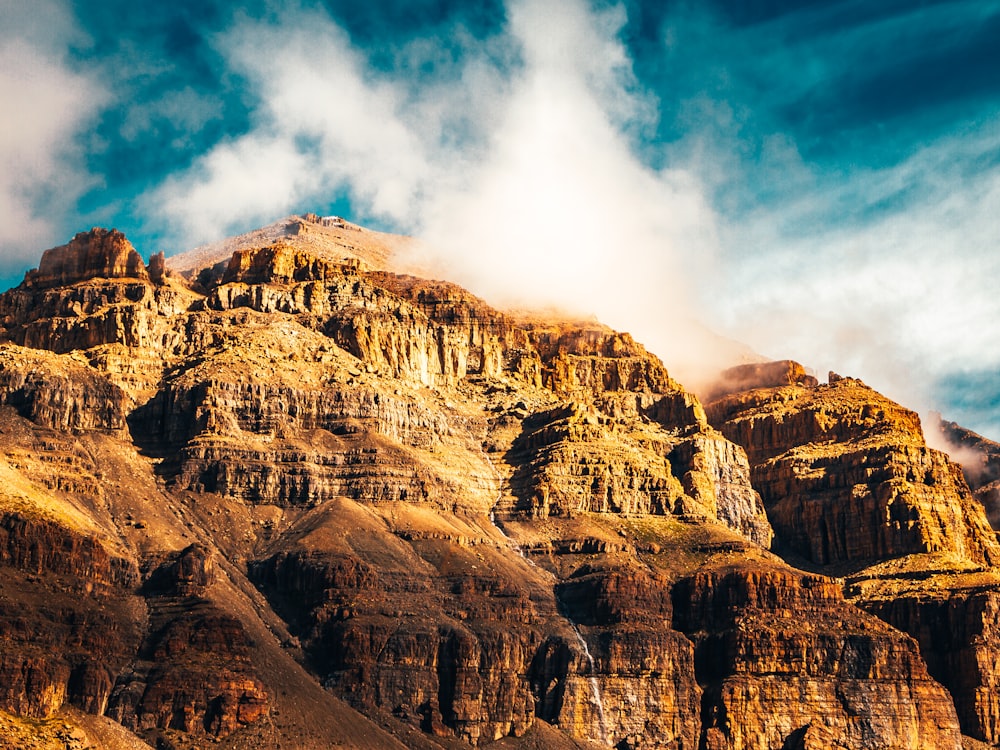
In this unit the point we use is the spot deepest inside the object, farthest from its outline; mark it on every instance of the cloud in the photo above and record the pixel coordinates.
(175, 115)
(888, 275)
(516, 158)
(323, 124)
(49, 104)
(561, 209)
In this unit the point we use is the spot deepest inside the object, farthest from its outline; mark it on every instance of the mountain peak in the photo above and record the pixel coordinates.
(99, 253)
(328, 238)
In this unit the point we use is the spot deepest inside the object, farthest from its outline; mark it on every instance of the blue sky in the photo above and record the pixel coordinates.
(819, 180)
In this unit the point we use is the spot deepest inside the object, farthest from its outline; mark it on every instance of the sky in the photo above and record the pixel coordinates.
(817, 180)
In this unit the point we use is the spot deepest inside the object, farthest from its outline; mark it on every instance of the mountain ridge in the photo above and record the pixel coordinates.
(297, 484)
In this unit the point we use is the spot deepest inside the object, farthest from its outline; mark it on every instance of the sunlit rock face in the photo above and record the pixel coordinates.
(276, 494)
(847, 477)
(852, 488)
(97, 254)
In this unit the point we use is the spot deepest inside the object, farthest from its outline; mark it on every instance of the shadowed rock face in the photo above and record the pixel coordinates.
(298, 503)
(958, 636)
(980, 461)
(67, 624)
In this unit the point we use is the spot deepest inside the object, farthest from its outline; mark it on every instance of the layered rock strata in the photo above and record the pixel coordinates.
(852, 487)
(193, 672)
(957, 631)
(327, 485)
(847, 478)
(68, 622)
(785, 662)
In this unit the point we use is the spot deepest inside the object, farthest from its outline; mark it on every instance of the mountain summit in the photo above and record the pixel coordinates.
(275, 494)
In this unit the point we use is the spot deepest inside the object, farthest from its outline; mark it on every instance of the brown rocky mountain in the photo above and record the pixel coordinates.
(275, 494)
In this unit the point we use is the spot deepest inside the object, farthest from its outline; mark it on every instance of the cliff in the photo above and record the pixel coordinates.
(847, 478)
(98, 253)
(852, 489)
(292, 497)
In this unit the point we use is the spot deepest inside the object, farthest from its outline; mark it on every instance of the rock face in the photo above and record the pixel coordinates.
(851, 487)
(98, 253)
(66, 621)
(787, 663)
(194, 671)
(847, 478)
(297, 499)
(958, 635)
(760, 375)
(636, 686)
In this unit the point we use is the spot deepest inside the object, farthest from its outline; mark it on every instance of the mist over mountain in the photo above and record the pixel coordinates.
(816, 180)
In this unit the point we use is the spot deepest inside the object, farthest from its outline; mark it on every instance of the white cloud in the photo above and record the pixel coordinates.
(324, 124)
(48, 103)
(514, 162)
(900, 296)
(560, 211)
(239, 182)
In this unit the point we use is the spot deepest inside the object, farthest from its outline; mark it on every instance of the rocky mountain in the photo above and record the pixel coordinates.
(277, 494)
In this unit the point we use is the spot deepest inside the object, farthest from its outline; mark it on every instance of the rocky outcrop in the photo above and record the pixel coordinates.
(847, 478)
(849, 483)
(59, 395)
(366, 469)
(467, 652)
(67, 619)
(282, 264)
(634, 684)
(194, 675)
(577, 458)
(96, 313)
(268, 442)
(37, 546)
(573, 459)
(958, 635)
(716, 474)
(395, 325)
(785, 662)
(422, 629)
(97, 254)
(759, 375)
(194, 671)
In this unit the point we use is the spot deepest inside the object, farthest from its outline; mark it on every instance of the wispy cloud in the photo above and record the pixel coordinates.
(851, 151)
(888, 275)
(561, 209)
(49, 104)
(324, 123)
